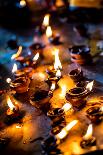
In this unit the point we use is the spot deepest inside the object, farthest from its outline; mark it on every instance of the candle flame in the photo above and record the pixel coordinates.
(22, 3)
(58, 73)
(49, 32)
(36, 57)
(90, 85)
(18, 126)
(89, 132)
(57, 63)
(18, 53)
(66, 107)
(14, 68)
(46, 20)
(65, 130)
(10, 104)
(63, 92)
(53, 86)
(101, 108)
(8, 80)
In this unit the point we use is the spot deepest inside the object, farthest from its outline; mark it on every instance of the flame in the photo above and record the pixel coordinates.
(53, 86)
(57, 63)
(58, 73)
(18, 126)
(46, 20)
(63, 92)
(36, 57)
(8, 80)
(22, 3)
(90, 85)
(49, 32)
(14, 68)
(66, 129)
(66, 107)
(101, 108)
(89, 132)
(10, 104)
(18, 53)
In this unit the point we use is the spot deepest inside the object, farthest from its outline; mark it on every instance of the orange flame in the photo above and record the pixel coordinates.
(36, 57)
(63, 91)
(49, 32)
(89, 132)
(46, 20)
(66, 107)
(17, 54)
(90, 86)
(10, 104)
(57, 63)
(8, 80)
(53, 86)
(14, 68)
(58, 73)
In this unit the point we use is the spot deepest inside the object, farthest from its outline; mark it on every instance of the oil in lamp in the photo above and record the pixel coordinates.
(53, 38)
(78, 95)
(20, 85)
(76, 75)
(88, 140)
(95, 114)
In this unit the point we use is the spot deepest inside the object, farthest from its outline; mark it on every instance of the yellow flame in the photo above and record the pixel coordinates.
(8, 80)
(46, 20)
(66, 129)
(53, 86)
(101, 108)
(89, 132)
(57, 63)
(49, 32)
(63, 92)
(36, 57)
(90, 85)
(10, 104)
(58, 73)
(23, 3)
(14, 68)
(17, 54)
(18, 126)
(66, 107)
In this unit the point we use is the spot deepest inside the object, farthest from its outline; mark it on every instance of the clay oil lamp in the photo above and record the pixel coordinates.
(76, 75)
(95, 114)
(52, 38)
(88, 140)
(80, 54)
(20, 85)
(13, 113)
(40, 99)
(78, 95)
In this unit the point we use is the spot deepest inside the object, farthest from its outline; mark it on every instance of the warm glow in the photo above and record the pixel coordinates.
(22, 3)
(36, 57)
(63, 92)
(71, 125)
(66, 107)
(57, 63)
(14, 68)
(101, 108)
(49, 32)
(58, 73)
(10, 104)
(8, 80)
(46, 20)
(89, 132)
(62, 134)
(52, 86)
(90, 85)
(17, 54)
(18, 127)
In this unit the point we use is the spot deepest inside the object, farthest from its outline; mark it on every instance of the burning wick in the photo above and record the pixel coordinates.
(14, 56)
(14, 68)
(63, 91)
(57, 63)
(36, 57)
(12, 108)
(64, 132)
(46, 20)
(88, 139)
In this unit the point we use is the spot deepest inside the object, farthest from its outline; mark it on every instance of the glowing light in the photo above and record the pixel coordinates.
(89, 132)
(22, 3)
(46, 20)
(18, 127)
(49, 32)
(66, 107)
(14, 68)
(53, 86)
(17, 54)
(101, 108)
(57, 63)
(58, 73)
(8, 80)
(63, 92)
(62, 134)
(36, 57)
(71, 125)
(90, 85)
(10, 104)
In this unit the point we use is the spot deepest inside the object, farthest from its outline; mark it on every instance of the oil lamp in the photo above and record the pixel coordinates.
(53, 38)
(76, 75)
(14, 56)
(95, 114)
(88, 139)
(78, 95)
(20, 85)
